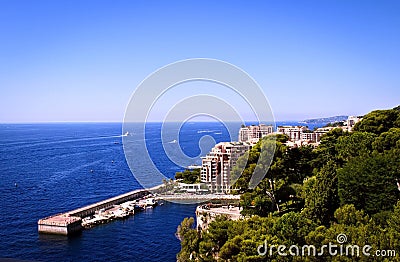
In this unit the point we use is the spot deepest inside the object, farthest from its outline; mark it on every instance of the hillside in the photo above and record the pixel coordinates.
(331, 119)
(347, 187)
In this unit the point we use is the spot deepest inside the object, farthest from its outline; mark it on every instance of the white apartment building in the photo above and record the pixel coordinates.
(311, 137)
(293, 132)
(217, 165)
(253, 133)
(351, 121)
(315, 137)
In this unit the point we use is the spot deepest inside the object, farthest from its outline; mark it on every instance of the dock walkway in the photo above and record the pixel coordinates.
(71, 222)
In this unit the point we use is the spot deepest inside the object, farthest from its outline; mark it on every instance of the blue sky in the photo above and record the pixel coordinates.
(81, 60)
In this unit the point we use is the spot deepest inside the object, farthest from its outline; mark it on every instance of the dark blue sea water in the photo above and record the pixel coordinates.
(45, 169)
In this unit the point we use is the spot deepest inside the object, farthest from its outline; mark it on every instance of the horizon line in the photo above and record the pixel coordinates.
(120, 122)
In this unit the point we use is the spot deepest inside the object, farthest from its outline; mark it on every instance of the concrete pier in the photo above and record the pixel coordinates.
(61, 224)
(71, 222)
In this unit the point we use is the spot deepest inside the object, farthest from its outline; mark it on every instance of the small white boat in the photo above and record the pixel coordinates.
(151, 202)
(194, 167)
(119, 213)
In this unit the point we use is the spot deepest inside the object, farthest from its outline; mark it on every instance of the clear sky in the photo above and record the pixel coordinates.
(81, 60)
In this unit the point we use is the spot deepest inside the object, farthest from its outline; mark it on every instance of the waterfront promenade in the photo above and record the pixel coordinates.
(201, 198)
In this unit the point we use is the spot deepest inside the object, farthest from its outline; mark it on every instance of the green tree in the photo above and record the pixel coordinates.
(369, 182)
(352, 190)
(387, 140)
(321, 198)
(348, 215)
(189, 176)
(394, 228)
(354, 144)
(293, 228)
(255, 203)
(378, 121)
(327, 149)
(218, 231)
(265, 161)
(231, 248)
(189, 239)
(335, 124)
(297, 164)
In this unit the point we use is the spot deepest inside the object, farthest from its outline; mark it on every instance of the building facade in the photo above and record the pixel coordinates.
(293, 132)
(311, 137)
(217, 165)
(253, 133)
(351, 121)
(301, 135)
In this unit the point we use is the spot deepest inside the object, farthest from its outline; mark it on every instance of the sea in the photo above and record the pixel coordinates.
(56, 167)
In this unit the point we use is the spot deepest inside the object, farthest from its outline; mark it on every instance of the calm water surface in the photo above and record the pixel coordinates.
(45, 169)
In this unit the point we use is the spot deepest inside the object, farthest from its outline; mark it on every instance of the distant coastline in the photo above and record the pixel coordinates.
(331, 119)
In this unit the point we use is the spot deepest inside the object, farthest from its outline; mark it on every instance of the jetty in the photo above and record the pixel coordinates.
(71, 222)
(74, 221)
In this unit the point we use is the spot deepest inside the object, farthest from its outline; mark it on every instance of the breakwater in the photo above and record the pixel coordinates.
(71, 222)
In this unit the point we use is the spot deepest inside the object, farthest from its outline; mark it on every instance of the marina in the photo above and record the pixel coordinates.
(118, 207)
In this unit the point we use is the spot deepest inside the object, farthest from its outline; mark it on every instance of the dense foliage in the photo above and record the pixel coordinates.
(348, 185)
(335, 124)
(188, 176)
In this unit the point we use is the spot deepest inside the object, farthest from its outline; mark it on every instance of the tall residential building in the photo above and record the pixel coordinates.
(253, 133)
(217, 165)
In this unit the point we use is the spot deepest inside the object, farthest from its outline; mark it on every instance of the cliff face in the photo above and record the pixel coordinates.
(205, 214)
